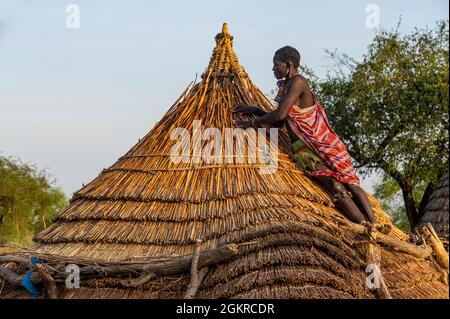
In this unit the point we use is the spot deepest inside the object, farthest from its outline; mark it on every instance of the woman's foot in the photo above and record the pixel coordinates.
(362, 201)
(366, 223)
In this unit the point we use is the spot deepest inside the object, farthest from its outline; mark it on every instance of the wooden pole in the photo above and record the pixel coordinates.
(432, 238)
(373, 260)
(47, 279)
(11, 277)
(137, 282)
(15, 259)
(420, 252)
(196, 279)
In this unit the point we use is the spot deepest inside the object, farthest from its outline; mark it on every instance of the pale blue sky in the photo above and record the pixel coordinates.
(75, 100)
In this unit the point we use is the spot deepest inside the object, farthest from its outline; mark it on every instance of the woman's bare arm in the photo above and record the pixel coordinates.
(296, 89)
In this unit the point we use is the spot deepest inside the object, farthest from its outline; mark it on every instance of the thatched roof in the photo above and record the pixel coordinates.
(147, 206)
(436, 211)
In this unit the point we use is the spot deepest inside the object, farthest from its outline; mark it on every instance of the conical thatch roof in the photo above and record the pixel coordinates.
(436, 211)
(147, 205)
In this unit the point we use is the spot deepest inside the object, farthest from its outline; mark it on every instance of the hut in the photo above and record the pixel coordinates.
(436, 211)
(152, 227)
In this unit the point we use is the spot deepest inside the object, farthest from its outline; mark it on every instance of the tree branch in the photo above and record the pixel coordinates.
(373, 259)
(439, 250)
(15, 259)
(410, 204)
(137, 282)
(48, 281)
(11, 277)
(196, 278)
(384, 143)
(420, 252)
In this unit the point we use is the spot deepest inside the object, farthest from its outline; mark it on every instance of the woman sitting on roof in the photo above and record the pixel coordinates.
(317, 149)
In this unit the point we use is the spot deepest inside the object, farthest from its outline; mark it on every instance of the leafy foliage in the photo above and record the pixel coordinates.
(389, 192)
(27, 201)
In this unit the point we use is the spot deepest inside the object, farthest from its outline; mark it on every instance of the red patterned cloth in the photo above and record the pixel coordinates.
(312, 127)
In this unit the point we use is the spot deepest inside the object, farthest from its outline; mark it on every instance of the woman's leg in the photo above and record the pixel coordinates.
(362, 201)
(341, 198)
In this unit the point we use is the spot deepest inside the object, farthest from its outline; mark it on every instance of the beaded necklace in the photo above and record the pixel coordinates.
(282, 85)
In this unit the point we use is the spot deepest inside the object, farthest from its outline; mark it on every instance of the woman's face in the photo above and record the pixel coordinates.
(280, 69)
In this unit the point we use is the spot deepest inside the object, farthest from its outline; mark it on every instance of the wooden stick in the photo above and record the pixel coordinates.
(11, 277)
(373, 259)
(137, 282)
(193, 286)
(420, 252)
(194, 282)
(438, 249)
(206, 258)
(14, 259)
(47, 279)
(444, 277)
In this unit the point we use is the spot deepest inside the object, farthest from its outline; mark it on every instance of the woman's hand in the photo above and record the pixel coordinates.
(243, 124)
(249, 110)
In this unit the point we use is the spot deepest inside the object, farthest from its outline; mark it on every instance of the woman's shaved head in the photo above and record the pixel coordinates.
(288, 54)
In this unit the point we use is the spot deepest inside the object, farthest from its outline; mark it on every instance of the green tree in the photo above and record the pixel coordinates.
(391, 110)
(28, 202)
(391, 201)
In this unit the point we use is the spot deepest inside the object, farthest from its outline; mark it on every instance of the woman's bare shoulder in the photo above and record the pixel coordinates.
(299, 83)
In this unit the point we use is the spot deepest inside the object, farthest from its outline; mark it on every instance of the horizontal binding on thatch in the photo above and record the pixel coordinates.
(121, 209)
(200, 185)
(164, 232)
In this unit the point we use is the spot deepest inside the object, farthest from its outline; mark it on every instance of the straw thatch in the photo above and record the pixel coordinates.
(436, 211)
(295, 244)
